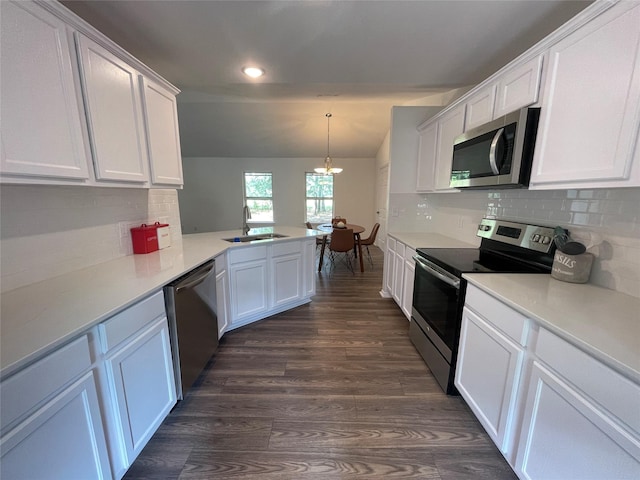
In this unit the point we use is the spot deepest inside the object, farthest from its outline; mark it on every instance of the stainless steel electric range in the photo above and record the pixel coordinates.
(439, 289)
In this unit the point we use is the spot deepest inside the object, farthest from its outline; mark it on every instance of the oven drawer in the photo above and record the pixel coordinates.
(504, 318)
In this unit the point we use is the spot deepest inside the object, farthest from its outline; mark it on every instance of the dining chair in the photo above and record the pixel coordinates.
(318, 239)
(365, 242)
(342, 241)
(338, 219)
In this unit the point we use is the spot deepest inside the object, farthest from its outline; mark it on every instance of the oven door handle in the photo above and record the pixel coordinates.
(437, 272)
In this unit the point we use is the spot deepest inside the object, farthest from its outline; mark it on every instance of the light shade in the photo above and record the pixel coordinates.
(328, 168)
(253, 72)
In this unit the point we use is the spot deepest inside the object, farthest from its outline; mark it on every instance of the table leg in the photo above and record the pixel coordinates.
(324, 243)
(360, 252)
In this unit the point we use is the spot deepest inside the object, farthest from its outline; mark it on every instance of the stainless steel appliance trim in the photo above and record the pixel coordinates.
(520, 118)
(437, 272)
(442, 347)
(525, 239)
(202, 275)
(438, 365)
(492, 152)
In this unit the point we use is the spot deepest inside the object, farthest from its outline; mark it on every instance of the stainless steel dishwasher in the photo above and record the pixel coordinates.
(193, 325)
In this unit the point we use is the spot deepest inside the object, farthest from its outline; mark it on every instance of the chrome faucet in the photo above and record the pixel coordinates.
(246, 215)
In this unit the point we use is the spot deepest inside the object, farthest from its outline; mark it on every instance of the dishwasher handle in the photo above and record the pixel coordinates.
(196, 278)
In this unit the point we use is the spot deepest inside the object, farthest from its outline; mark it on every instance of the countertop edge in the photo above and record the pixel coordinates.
(576, 334)
(144, 275)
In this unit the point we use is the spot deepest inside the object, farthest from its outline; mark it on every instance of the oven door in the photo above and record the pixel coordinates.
(436, 306)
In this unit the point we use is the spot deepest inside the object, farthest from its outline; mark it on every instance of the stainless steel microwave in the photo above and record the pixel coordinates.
(496, 154)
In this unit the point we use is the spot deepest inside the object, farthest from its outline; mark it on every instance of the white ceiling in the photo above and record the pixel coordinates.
(354, 59)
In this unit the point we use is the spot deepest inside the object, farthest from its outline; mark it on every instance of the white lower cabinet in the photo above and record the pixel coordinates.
(399, 270)
(565, 436)
(266, 279)
(553, 410)
(141, 377)
(407, 282)
(138, 387)
(52, 426)
(487, 373)
(286, 273)
(62, 439)
(248, 283)
(221, 306)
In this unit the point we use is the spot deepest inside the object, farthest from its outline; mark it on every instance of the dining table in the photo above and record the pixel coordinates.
(328, 228)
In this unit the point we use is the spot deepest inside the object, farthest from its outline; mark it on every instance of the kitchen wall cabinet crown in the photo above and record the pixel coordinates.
(84, 112)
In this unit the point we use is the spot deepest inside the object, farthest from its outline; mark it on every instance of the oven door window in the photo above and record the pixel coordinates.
(437, 303)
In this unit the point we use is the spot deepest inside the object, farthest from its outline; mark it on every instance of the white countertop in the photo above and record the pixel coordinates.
(430, 240)
(601, 322)
(39, 317)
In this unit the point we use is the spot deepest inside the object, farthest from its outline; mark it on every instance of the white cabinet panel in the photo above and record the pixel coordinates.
(398, 272)
(63, 439)
(487, 374)
(590, 111)
(450, 126)
(427, 154)
(480, 107)
(286, 279)
(249, 289)
(163, 138)
(114, 114)
(309, 267)
(389, 265)
(518, 87)
(222, 306)
(565, 437)
(407, 286)
(41, 109)
(141, 374)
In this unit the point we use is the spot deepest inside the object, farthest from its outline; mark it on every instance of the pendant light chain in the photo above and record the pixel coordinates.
(328, 159)
(328, 168)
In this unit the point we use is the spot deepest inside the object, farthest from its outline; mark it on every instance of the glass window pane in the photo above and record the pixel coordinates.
(319, 210)
(258, 185)
(261, 210)
(319, 185)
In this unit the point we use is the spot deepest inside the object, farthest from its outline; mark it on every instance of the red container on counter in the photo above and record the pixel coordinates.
(146, 237)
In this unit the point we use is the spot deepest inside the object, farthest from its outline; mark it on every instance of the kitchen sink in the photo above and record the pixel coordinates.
(253, 238)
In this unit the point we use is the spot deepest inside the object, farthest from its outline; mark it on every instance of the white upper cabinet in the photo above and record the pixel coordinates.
(435, 150)
(163, 137)
(42, 134)
(591, 106)
(514, 88)
(450, 126)
(518, 87)
(428, 139)
(480, 107)
(114, 114)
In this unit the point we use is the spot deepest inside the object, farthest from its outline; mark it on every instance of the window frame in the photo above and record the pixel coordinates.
(307, 198)
(246, 198)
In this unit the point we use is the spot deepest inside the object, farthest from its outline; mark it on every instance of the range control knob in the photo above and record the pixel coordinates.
(484, 228)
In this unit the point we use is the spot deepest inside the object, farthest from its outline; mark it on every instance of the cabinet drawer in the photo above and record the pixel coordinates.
(129, 321)
(510, 322)
(615, 393)
(26, 389)
(285, 248)
(247, 254)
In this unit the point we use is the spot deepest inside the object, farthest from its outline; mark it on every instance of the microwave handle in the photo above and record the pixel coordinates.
(492, 152)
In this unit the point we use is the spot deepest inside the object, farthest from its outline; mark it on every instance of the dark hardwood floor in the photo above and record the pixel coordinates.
(330, 390)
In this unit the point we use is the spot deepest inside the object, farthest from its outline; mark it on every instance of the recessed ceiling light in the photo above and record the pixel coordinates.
(253, 72)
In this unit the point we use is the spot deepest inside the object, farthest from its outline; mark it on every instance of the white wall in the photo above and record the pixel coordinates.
(607, 218)
(46, 231)
(212, 196)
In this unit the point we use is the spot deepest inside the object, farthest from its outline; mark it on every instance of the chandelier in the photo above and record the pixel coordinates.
(328, 168)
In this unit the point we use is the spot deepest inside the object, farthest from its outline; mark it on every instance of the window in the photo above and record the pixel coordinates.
(258, 196)
(319, 206)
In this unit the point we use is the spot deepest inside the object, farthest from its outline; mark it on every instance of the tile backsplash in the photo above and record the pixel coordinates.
(47, 231)
(606, 220)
